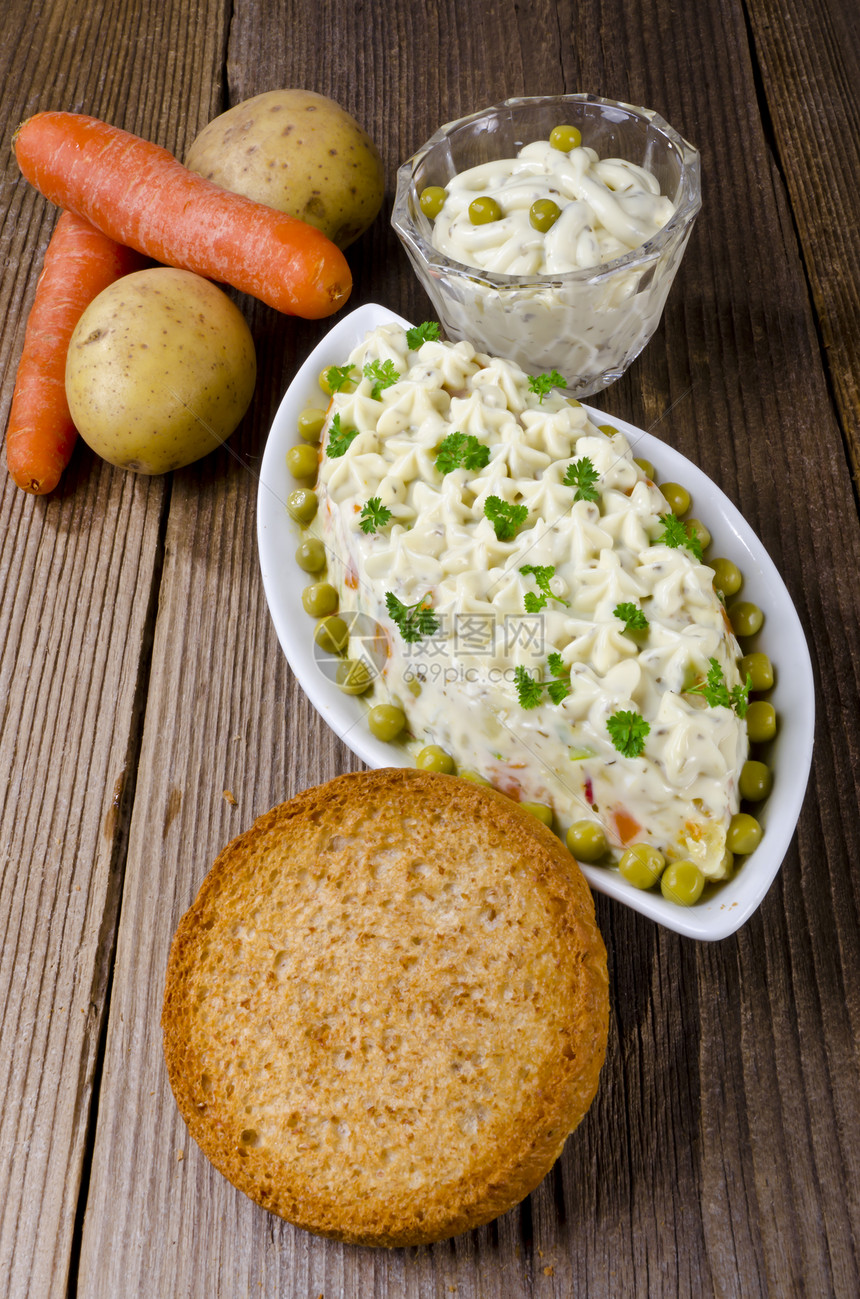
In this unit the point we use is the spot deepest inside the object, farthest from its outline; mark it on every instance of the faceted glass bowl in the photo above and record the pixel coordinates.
(587, 324)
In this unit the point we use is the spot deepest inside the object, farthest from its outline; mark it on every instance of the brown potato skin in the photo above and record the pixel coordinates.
(160, 370)
(299, 152)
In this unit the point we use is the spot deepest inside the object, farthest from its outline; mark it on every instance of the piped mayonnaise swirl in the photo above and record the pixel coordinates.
(458, 687)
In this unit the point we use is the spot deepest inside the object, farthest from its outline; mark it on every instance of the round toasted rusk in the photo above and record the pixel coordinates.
(387, 1007)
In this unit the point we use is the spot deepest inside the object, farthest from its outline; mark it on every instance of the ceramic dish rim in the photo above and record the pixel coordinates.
(732, 903)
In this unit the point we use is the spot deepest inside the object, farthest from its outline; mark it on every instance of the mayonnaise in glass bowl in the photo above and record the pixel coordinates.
(587, 324)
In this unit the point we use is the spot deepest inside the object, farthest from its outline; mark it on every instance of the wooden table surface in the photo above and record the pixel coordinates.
(148, 714)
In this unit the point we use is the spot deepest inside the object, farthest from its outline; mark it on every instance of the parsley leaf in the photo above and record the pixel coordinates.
(541, 574)
(339, 438)
(415, 621)
(460, 450)
(676, 533)
(633, 618)
(541, 384)
(374, 515)
(383, 375)
(558, 690)
(582, 475)
(717, 694)
(427, 332)
(506, 519)
(529, 688)
(337, 377)
(627, 732)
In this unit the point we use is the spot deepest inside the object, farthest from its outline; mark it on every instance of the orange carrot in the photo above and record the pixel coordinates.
(140, 195)
(80, 261)
(626, 825)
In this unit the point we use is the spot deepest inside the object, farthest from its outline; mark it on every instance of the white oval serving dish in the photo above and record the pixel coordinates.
(725, 908)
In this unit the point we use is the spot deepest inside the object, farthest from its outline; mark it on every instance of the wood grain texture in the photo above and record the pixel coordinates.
(810, 70)
(721, 1155)
(79, 573)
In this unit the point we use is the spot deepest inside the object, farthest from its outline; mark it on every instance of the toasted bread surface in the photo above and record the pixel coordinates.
(387, 1007)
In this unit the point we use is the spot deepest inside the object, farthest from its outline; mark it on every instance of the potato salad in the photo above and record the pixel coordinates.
(549, 624)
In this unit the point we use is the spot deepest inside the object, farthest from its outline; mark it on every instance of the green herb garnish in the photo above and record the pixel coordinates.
(542, 384)
(530, 690)
(627, 732)
(558, 690)
(382, 374)
(582, 475)
(374, 515)
(415, 621)
(339, 438)
(633, 618)
(506, 519)
(541, 574)
(338, 376)
(428, 332)
(717, 694)
(676, 533)
(461, 450)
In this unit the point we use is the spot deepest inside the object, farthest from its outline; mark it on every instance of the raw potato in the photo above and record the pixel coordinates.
(160, 370)
(298, 152)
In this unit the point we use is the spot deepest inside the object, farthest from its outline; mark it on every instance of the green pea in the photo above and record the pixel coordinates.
(647, 468)
(319, 599)
(586, 841)
(353, 677)
(386, 721)
(483, 210)
(677, 497)
(310, 423)
(539, 810)
(744, 834)
(641, 865)
(761, 721)
(432, 201)
(759, 669)
(310, 555)
(325, 383)
(682, 882)
(746, 618)
(332, 634)
(696, 528)
(543, 214)
(302, 504)
(565, 138)
(432, 758)
(728, 578)
(755, 781)
(302, 461)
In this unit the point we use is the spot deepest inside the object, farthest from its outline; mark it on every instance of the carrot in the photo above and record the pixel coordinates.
(140, 195)
(79, 262)
(626, 825)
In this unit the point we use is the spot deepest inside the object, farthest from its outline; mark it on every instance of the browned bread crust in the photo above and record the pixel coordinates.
(387, 1007)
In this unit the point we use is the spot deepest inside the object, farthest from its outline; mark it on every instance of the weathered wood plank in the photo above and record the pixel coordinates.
(78, 578)
(810, 69)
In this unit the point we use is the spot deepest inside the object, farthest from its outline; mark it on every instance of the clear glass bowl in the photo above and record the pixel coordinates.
(588, 324)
